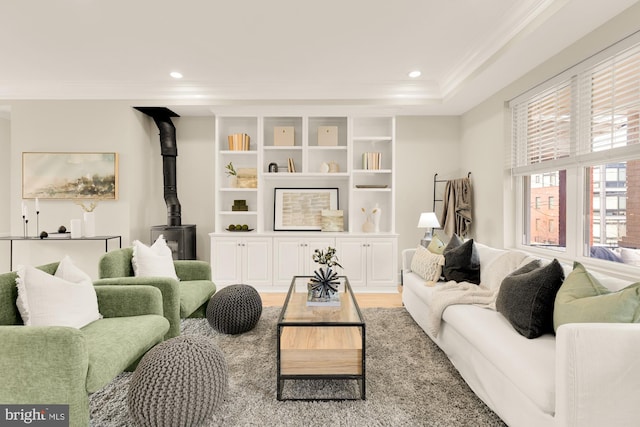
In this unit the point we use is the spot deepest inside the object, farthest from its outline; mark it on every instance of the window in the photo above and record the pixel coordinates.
(610, 207)
(545, 216)
(585, 124)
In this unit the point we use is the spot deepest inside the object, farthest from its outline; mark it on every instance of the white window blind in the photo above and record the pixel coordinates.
(542, 127)
(591, 115)
(611, 92)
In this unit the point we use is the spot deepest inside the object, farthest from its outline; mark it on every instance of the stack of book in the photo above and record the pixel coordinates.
(372, 161)
(239, 142)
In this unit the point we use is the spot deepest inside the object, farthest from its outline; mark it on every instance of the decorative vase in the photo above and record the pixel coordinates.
(376, 218)
(233, 181)
(89, 219)
(368, 226)
(323, 288)
(76, 228)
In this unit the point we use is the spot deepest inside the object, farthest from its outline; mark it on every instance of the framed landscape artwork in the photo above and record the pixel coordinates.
(70, 175)
(300, 209)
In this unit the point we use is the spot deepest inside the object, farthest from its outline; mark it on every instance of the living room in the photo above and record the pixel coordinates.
(428, 140)
(475, 141)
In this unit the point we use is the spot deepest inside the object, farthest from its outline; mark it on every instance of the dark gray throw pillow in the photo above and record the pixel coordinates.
(527, 296)
(461, 263)
(454, 242)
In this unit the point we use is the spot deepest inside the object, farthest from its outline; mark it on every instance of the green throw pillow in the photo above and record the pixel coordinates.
(582, 299)
(436, 246)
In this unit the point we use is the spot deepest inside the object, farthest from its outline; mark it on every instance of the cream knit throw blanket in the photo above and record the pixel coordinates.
(451, 293)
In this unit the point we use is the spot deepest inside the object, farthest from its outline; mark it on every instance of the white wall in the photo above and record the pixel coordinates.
(425, 146)
(5, 172)
(197, 177)
(485, 136)
(5, 185)
(101, 126)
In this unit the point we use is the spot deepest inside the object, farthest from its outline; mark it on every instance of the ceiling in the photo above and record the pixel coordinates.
(243, 52)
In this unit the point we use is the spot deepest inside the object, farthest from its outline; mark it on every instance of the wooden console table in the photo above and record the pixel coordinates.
(11, 239)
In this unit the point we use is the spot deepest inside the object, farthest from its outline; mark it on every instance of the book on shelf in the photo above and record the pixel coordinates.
(291, 166)
(372, 160)
(239, 142)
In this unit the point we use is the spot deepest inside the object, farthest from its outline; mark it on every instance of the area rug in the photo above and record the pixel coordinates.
(410, 382)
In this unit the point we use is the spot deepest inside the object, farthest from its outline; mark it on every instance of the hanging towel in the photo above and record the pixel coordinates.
(456, 212)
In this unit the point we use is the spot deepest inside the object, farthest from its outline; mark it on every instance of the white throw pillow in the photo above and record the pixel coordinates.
(154, 261)
(46, 300)
(493, 273)
(68, 271)
(427, 264)
(630, 256)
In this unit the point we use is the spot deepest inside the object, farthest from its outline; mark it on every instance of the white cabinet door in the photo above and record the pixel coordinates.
(369, 262)
(257, 261)
(352, 253)
(288, 259)
(247, 260)
(293, 256)
(226, 261)
(381, 262)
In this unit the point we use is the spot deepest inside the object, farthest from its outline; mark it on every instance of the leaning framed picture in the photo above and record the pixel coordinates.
(60, 175)
(300, 209)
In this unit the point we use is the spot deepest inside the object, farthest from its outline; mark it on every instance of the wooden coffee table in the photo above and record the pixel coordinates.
(320, 342)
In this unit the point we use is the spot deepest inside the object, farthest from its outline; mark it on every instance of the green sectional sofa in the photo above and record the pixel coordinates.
(181, 299)
(63, 365)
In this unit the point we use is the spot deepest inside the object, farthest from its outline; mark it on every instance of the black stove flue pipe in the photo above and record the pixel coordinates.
(169, 150)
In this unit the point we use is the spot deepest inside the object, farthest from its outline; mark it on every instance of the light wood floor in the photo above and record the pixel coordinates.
(364, 299)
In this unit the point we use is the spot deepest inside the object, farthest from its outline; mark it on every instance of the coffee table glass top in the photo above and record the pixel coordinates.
(296, 311)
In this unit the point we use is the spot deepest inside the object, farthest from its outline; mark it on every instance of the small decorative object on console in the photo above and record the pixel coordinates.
(323, 287)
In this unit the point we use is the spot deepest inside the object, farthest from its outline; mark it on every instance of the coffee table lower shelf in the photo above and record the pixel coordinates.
(320, 352)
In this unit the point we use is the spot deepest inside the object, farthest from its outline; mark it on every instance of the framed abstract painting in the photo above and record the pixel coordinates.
(59, 175)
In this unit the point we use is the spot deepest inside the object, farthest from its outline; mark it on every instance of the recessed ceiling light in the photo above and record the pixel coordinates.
(414, 74)
(175, 75)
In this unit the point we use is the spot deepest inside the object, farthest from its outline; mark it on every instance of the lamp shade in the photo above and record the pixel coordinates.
(428, 220)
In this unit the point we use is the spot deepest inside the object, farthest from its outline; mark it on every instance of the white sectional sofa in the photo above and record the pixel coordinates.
(586, 375)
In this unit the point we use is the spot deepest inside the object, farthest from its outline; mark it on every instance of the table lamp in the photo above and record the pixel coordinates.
(428, 221)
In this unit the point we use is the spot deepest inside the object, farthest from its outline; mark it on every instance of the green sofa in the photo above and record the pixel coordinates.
(63, 365)
(181, 299)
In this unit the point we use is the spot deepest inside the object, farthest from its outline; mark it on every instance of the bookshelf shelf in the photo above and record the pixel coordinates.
(327, 152)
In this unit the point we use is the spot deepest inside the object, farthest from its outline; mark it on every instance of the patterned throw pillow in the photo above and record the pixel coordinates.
(427, 265)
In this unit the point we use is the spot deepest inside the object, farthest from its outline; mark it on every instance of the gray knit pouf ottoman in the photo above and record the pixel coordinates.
(234, 309)
(180, 382)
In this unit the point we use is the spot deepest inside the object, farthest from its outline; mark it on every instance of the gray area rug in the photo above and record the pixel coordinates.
(410, 382)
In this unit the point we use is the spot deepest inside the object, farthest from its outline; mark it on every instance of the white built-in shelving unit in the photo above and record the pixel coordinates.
(267, 258)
